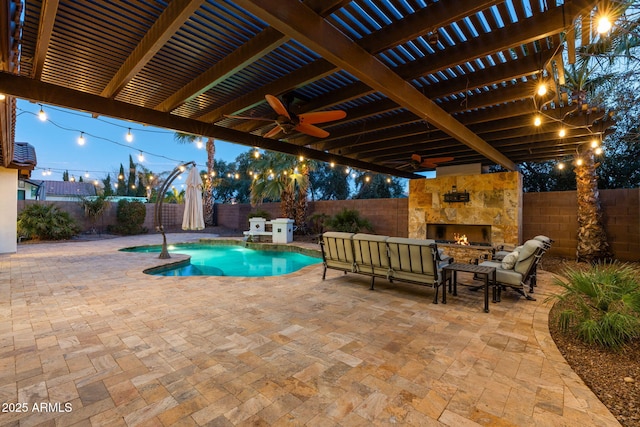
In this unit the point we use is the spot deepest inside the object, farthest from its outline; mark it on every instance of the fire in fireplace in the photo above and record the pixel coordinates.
(468, 234)
(460, 239)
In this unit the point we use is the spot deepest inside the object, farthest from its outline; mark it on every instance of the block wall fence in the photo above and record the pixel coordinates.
(553, 214)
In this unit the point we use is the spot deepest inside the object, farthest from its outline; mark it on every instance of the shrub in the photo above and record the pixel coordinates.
(130, 217)
(46, 222)
(348, 220)
(601, 305)
(94, 208)
(317, 223)
(260, 213)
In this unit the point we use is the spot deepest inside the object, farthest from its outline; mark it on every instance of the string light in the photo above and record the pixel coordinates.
(604, 25)
(141, 157)
(542, 89)
(562, 132)
(579, 161)
(598, 151)
(2, 96)
(199, 143)
(86, 174)
(332, 165)
(42, 115)
(537, 120)
(129, 136)
(81, 139)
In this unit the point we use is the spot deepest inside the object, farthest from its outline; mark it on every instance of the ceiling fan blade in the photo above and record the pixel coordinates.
(312, 130)
(321, 116)
(277, 106)
(434, 162)
(264, 119)
(273, 132)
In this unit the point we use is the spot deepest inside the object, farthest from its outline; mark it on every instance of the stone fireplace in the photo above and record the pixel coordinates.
(494, 208)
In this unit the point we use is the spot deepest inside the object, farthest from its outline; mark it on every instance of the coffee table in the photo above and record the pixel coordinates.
(450, 274)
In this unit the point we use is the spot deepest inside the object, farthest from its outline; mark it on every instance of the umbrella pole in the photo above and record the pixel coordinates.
(164, 254)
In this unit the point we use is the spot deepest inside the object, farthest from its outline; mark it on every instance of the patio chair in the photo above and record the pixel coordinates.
(522, 271)
(504, 251)
(337, 252)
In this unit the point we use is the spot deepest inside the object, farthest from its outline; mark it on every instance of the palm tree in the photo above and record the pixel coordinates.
(592, 237)
(207, 184)
(279, 176)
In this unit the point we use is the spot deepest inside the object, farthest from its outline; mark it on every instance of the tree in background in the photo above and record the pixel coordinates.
(376, 186)
(107, 190)
(329, 182)
(65, 175)
(131, 181)
(121, 186)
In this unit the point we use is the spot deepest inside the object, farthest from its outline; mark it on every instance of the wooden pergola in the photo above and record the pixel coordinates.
(417, 79)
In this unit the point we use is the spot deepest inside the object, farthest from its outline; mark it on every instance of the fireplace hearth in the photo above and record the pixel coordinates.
(474, 235)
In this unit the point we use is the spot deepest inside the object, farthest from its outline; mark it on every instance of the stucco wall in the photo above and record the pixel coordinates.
(8, 210)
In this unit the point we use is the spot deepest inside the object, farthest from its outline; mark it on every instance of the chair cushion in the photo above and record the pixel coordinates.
(509, 260)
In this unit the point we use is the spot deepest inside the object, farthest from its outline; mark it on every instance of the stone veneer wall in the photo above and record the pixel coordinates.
(495, 199)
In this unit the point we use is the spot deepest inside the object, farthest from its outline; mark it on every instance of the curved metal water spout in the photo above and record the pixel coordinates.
(164, 254)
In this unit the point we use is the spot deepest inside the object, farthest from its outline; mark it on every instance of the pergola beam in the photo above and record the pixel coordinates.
(300, 23)
(255, 48)
(37, 91)
(45, 29)
(170, 21)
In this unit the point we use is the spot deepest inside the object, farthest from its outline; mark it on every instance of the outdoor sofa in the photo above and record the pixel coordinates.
(417, 261)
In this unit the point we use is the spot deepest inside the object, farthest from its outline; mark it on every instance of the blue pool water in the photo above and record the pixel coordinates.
(230, 260)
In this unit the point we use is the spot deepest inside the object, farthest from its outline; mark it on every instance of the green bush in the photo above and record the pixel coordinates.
(260, 213)
(601, 305)
(130, 217)
(348, 220)
(317, 223)
(46, 222)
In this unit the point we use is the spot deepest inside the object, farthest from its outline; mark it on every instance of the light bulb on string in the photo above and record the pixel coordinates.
(2, 97)
(141, 157)
(199, 143)
(332, 165)
(562, 132)
(604, 25)
(542, 89)
(560, 165)
(129, 136)
(598, 151)
(594, 143)
(537, 120)
(81, 139)
(579, 161)
(86, 174)
(42, 115)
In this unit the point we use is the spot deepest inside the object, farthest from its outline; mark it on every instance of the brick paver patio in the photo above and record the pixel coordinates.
(88, 339)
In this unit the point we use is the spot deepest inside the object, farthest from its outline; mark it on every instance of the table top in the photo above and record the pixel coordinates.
(469, 268)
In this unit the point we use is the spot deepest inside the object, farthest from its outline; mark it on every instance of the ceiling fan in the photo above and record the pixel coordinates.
(288, 122)
(430, 163)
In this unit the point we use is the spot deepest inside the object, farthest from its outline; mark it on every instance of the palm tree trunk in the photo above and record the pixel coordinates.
(207, 200)
(592, 237)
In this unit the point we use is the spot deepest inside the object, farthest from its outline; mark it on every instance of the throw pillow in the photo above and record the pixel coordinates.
(509, 261)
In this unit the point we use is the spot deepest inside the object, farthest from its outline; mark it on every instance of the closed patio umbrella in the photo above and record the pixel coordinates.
(193, 218)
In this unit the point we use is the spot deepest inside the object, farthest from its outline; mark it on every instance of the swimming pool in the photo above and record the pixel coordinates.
(229, 260)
